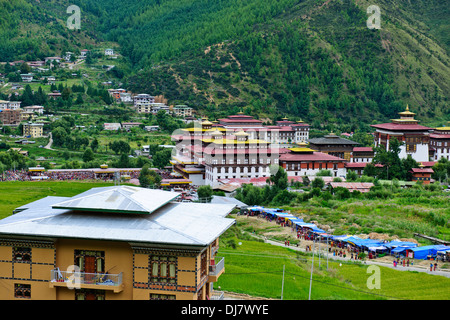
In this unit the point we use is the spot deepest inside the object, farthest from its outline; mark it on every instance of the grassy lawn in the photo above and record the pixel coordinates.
(16, 194)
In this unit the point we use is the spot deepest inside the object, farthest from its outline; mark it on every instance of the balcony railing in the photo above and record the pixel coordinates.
(78, 280)
(217, 295)
(218, 266)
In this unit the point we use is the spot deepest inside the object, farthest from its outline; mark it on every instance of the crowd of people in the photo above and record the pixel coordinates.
(63, 175)
(79, 175)
(70, 175)
(15, 175)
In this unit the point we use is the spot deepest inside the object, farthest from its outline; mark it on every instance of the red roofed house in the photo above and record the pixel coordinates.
(422, 174)
(416, 137)
(362, 154)
(353, 186)
(303, 161)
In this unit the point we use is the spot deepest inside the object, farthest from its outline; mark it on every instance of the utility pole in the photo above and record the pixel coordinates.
(312, 267)
(320, 240)
(282, 284)
(328, 250)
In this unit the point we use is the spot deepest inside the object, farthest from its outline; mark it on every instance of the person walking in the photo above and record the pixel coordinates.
(431, 266)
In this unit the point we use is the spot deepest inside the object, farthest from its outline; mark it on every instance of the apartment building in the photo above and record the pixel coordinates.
(12, 105)
(182, 111)
(35, 130)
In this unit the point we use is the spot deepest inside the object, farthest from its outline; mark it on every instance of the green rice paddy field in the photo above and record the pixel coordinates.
(256, 268)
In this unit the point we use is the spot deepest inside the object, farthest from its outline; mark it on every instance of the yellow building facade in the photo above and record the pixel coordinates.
(35, 130)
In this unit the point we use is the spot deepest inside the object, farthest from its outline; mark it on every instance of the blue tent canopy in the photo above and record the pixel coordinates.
(400, 249)
(443, 250)
(284, 215)
(425, 251)
(394, 244)
(305, 225)
(439, 248)
(363, 242)
(340, 238)
(315, 229)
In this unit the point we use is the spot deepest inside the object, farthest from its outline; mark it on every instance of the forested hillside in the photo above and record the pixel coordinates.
(31, 30)
(311, 59)
(314, 60)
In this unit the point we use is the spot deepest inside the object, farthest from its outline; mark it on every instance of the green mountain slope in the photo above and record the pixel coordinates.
(318, 61)
(311, 59)
(31, 30)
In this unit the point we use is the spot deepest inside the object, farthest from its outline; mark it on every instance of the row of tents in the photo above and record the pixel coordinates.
(394, 247)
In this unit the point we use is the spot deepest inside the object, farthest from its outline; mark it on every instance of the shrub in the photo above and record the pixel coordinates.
(326, 195)
(341, 193)
(315, 192)
(318, 183)
(231, 243)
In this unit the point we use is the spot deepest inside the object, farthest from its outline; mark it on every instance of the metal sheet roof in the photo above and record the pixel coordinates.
(195, 224)
(119, 199)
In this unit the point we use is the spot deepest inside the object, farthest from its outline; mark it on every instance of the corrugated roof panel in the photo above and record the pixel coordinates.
(120, 199)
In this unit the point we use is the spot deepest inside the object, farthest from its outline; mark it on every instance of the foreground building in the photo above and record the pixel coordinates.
(124, 243)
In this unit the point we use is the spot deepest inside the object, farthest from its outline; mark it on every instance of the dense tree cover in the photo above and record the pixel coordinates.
(442, 171)
(310, 59)
(120, 147)
(274, 192)
(285, 69)
(149, 178)
(392, 166)
(323, 195)
(10, 160)
(31, 30)
(205, 193)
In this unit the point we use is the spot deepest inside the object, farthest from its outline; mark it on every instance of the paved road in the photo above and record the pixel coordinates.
(50, 142)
